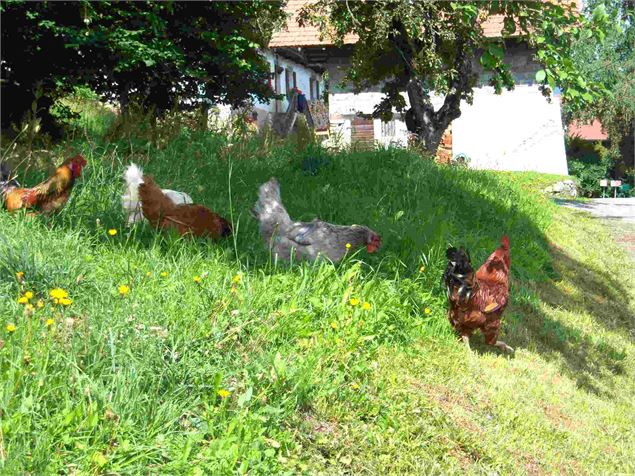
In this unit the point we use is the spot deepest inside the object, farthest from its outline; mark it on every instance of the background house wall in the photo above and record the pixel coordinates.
(517, 130)
(305, 78)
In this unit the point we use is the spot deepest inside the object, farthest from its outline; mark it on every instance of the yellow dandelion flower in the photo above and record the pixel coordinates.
(23, 300)
(112, 232)
(58, 294)
(224, 393)
(19, 275)
(66, 301)
(354, 302)
(422, 269)
(334, 325)
(197, 279)
(427, 310)
(164, 274)
(40, 304)
(10, 328)
(355, 386)
(123, 289)
(366, 306)
(148, 274)
(49, 322)
(348, 246)
(28, 295)
(236, 279)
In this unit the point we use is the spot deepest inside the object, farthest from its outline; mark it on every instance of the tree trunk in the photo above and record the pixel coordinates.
(428, 124)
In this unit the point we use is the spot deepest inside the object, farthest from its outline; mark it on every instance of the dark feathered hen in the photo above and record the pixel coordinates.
(306, 240)
(477, 300)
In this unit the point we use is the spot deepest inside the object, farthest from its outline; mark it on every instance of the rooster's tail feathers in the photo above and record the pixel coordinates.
(133, 176)
(5, 172)
(505, 242)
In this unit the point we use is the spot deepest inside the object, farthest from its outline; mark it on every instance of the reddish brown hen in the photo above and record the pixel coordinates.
(196, 220)
(52, 194)
(477, 300)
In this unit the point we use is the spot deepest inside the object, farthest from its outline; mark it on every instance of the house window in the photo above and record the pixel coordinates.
(295, 80)
(317, 90)
(388, 129)
(312, 89)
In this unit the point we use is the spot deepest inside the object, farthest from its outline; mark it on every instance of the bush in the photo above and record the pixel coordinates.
(589, 162)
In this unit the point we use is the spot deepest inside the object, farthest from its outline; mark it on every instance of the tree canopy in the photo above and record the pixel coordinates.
(611, 64)
(428, 48)
(156, 53)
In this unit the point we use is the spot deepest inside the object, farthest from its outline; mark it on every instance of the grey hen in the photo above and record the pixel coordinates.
(301, 240)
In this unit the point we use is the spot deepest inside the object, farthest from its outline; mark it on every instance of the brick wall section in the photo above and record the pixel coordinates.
(444, 152)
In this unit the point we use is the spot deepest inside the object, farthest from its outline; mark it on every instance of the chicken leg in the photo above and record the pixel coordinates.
(504, 347)
(466, 341)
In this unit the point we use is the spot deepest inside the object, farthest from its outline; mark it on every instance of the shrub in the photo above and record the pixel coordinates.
(589, 162)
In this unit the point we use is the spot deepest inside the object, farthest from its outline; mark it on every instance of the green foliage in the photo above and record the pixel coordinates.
(589, 162)
(154, 53)
(612, 65)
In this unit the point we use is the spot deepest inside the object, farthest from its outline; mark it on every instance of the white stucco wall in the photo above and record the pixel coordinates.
(517, 130)
(303, 77)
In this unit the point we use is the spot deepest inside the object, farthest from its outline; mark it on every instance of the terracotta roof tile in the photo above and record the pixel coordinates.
(296, 36)
(591, 131)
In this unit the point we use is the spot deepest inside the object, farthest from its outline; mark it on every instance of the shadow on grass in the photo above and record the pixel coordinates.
(589, 359)
(418, 207)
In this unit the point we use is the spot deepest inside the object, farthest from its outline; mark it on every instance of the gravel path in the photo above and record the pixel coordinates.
(622, 209)
(617, 213)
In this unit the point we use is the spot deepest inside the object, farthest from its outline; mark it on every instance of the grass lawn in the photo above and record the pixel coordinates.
(264, 368)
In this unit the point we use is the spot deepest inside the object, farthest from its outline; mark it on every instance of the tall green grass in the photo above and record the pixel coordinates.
(266, 368)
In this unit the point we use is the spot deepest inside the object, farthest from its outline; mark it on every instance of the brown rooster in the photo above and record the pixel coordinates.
(162, 213)
(49, 196)
(477, 300)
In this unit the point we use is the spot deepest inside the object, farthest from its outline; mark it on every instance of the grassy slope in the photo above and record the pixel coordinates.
(132, 384)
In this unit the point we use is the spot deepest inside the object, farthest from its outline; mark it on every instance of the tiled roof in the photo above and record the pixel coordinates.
(591, 131)
(296, 36)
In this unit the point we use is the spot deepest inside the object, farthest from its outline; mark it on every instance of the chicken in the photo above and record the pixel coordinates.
(52, 194)
(288, 239)
(477, 300)
(186, 219)
(130, 199)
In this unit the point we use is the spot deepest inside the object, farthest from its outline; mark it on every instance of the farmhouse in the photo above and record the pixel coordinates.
(517, 130)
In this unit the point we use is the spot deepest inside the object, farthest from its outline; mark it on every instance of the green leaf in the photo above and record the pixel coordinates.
(496, 50)
(245, 397)
(541, 75)
(99, 459)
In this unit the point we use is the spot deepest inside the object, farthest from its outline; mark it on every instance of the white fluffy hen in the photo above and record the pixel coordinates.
(130, 200)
